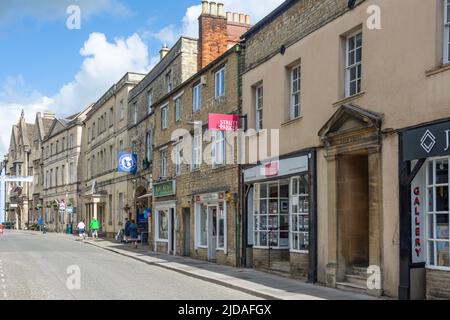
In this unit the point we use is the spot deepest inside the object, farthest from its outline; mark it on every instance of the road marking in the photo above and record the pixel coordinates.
(3, 280)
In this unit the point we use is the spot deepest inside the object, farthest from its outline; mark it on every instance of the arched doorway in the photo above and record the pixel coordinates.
(142, 212)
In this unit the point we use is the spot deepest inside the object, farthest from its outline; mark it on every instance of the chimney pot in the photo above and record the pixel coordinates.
(242, 18)
(229, 17)
(205, 7)
(247, 19)
(164, 51)
(220, 9)
(235, 17)
(213, 8)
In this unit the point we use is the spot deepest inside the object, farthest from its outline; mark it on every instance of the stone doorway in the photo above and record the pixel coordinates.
(352, 143)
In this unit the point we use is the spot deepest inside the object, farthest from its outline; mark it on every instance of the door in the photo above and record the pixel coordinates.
(212, 232)
(187, 231)
(172, 233)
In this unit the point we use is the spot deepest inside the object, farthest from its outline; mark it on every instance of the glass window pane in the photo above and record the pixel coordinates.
(284, 206)
(273, 206)
(295, 222)
(284, 189)
(358, 55)
(263, 206)
(442, 226)
(431, 253)
(305, 223)
(284, 239)
(443, 254)
(442, 198)
(351, 43)
(284, 222)
(273, 223)
(274, 239)
(262, 223)
(431, 226)
(442, 171)
(359, 40)
(263, 239)
(263, 191)
(273, 190)
(295, 240)
(430, 200)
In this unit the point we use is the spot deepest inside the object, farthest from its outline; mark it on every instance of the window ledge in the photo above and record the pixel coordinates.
(289, 122)
(162, 240)
(438, 69)
(349, 99)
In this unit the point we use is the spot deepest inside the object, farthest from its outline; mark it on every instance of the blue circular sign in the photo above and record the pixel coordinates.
(127, 163)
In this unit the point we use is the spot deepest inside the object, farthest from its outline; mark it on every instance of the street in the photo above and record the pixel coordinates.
(42, 267)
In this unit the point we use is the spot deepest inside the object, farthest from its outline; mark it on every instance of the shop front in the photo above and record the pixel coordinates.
(425, 211)
(281, 216)
(211, 225)
(165, 221)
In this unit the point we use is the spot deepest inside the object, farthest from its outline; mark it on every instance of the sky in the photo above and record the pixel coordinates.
(46, 66)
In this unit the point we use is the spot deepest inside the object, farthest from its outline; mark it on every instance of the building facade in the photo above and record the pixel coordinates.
(19, 164)
(104, 189)
(62, 170)
(323, 67)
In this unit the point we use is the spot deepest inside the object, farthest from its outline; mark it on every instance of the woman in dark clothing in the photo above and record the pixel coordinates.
(127, 230)
(134, 233)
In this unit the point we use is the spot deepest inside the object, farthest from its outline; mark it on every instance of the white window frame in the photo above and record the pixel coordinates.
(357, 64)
(164, 116)
(164, 161)
(169, 84)
(220, 83)
(256, 229)
(225, 239)
(135, 113)
(217, 148)
(295, 109)
(433, 213)
(197, 98)
(259, 105)
(295, 193)
(196, 150)
(178, 109)
(198, 224)
(178, 158)
(157, 223)
(446, 31)
(149, 101)
(149, 145)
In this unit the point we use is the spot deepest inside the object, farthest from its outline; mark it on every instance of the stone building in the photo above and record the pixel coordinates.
(19, 164)
(195, 189)
(62, 166)
(176, 65)
(42, 126)
(353, 112)
(104, 189)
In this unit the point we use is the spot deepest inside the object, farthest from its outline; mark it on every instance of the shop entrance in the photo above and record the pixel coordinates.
(172, 236)
(353, 211)
(212, 232)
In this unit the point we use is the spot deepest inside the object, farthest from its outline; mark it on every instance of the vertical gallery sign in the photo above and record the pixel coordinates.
(418, 215)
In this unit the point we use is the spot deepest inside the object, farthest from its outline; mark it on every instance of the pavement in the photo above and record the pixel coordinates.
(250, 283)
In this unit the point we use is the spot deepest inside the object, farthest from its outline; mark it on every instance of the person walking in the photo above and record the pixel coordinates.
(134, 233)
(127, 230)
(40, 223)
(81, 230)
(94, 226)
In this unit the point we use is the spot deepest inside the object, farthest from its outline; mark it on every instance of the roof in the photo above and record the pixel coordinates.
(269, 18)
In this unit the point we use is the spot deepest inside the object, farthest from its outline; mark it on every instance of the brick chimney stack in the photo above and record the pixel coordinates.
(218, 32)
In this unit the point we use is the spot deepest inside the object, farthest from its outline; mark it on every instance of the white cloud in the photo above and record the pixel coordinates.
(104, 64)
(189, 23)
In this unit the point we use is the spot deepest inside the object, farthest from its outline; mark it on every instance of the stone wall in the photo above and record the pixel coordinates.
(301, 19)
(438, 284)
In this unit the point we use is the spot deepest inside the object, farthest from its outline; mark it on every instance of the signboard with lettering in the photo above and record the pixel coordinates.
(277, 168)
(418, 191)
(426, 142)
(223, 122)
(218, 196)
(164, 189)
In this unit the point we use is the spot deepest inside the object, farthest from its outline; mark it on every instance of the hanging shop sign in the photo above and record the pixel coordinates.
(428, 141)
(218, 196)
(164, 189)
(418, 191)
(127, 162)
(277, 168)
(223, 122)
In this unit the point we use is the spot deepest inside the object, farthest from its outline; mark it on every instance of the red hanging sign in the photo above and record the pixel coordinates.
(223, 122)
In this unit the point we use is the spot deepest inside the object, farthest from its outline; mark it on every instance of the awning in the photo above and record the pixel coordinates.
(145, 196)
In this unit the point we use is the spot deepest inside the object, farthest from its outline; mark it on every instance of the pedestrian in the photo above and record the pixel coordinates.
(40, 223)
(81, 230)
(94, 226)
(134, 233)
(127, 229)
